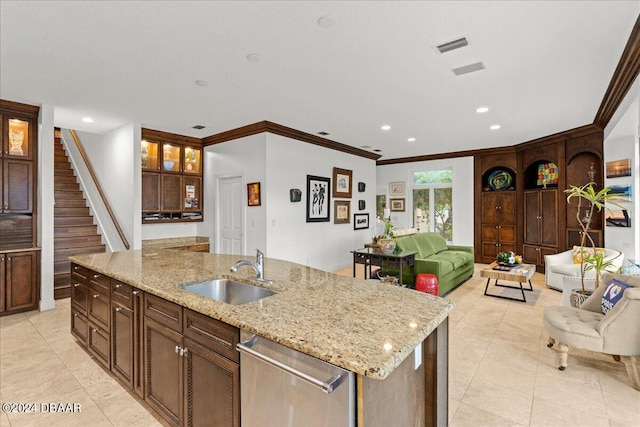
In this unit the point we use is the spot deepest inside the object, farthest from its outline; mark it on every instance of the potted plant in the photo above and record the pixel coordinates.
(597, 262)
(590, 198)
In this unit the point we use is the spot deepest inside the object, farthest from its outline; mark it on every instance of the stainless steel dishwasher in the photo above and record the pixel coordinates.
(282, 387)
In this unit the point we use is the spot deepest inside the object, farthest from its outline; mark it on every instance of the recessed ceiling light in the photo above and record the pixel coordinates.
(411, 139)
(365, 146)
(385, 127)
(253, 57)
(87, 119)
(495, 127)
(326, 21)
(482, 110)
(202, 82)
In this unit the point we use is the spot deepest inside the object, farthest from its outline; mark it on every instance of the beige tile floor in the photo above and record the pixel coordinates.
(501, 372)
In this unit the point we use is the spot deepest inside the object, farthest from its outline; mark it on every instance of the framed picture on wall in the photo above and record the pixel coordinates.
(396, 189)
(253, 194)
(318, 199)
(618, 168)
(342, 183)
(397, 205)
(360, 221)
(342, 212)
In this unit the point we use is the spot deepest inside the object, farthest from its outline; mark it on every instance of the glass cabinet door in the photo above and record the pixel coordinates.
(170, 158)
(17, 142)
(192, 160)
(149, 155)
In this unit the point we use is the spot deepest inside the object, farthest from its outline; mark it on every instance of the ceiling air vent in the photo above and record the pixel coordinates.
(198, 127)
(456, 44)
(466, 69)
(323, 133)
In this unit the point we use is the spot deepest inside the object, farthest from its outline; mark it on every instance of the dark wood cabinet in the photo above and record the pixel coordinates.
(171, 177)
(498, 223)
(541, 235)
(122, 342)
(19, 281)
(17, 187)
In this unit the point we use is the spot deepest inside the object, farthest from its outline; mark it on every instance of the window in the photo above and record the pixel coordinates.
(381, 203)
(432, 202)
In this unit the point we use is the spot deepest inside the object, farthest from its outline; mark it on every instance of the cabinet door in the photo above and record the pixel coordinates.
(549, 217)
(79, 295)
(530, 254)
(122, 336)
(138, 351)
(99, 310)
(489, 251)
(507, 233)
(149, 155)
(212, 387)
(17, 140)
(150, 192)
(79, 326)
(21, 284)
(192, 162)
(17, 186)
(163, 371)
(490, 204)
(171, 186)
(2, 281)
(98, 343)
(508, 207)
(171, 156)
(192, 193)
(531, 218)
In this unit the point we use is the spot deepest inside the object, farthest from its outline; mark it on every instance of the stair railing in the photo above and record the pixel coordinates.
(87, 162)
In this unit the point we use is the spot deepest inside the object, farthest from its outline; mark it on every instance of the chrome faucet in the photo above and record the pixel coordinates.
(258, 266)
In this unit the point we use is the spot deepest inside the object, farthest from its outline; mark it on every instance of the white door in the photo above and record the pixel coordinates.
(230, 224)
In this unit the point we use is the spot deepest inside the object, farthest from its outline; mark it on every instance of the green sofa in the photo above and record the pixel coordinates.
(451, 264)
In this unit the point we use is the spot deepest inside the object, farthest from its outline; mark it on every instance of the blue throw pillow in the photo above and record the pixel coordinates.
(612, 295)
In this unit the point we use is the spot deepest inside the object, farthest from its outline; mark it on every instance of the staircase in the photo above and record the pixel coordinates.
(74, 231)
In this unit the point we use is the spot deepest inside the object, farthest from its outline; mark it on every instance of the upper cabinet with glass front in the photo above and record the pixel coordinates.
(192, 161)
(171, 156)
(17, 139)
(149, 155)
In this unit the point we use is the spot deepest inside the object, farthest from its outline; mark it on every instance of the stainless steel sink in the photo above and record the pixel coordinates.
(229, 291)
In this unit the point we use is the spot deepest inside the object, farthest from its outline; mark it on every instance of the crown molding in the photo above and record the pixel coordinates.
(19, 108)
(161, 136)
(267, 126)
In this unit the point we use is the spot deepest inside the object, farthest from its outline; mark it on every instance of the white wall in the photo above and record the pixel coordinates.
(622, 143)
(244, 157)
(323, 245)
(46, 201)
(462, 170)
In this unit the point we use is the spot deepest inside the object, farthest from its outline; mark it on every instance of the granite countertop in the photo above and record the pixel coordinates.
(366, 327)
(174, 242)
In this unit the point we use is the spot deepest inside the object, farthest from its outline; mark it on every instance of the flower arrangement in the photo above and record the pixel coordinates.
(509, 258)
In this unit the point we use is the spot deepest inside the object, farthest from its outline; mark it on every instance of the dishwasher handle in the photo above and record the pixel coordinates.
(327, 387)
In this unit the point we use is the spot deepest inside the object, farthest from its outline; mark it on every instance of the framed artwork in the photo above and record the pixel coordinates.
(622, 192)
(318, 199)
(360, 221)
(396, 189)
(397, 205)
(253, 194)
(342, 183)
(342, 212)
(619, 168)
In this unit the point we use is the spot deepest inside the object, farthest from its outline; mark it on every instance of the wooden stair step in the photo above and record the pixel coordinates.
(59, 179)
(61, 267)
(63, 172)
(64, 221)
(64, 254)
(67, 186)
(77, 211)
(77, 241)
(75, 230)
(70, 203)
(68, 194)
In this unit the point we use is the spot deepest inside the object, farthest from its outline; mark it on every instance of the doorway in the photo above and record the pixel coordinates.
(230, 222)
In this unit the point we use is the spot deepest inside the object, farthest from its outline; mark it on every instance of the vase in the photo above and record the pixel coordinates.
(577, 297)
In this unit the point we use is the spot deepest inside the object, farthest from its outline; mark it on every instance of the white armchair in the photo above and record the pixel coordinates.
(558, 266)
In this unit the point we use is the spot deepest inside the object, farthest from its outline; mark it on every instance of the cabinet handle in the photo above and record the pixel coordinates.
(95, 276)
(75, 314)
(94, 330)
(76, 268)
(75, 285)
(117, 309)
(9, 259)
(135, 292)
(117, 285)
(177, 349)
(96, 295)
(496, 226)
(183, 351)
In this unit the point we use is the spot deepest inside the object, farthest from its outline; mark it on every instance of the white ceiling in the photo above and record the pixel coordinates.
(548, 65)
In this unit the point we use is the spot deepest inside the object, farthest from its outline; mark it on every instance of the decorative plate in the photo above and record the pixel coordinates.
(499, 180)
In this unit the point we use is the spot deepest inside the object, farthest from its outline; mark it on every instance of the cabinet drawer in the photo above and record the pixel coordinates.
(122, 293)
(98, 344)
(199, 248)
(99, 309)
(79, 295)
(213, 334)
(100, 282)
(79, 326)
(164, 312)
(79, 274)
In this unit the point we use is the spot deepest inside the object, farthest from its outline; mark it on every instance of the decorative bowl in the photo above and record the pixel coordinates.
(168, 165)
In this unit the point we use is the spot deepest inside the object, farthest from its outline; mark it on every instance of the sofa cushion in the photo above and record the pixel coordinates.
(424, 248)
(580, 251)
(457, 258)
(437, 242)
(446, 265)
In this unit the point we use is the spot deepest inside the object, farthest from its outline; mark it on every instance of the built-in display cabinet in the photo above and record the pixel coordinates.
(520, 204)
(18, 155)
(171, 177)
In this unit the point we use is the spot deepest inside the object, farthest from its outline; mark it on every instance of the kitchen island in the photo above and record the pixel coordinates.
(365, 327)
